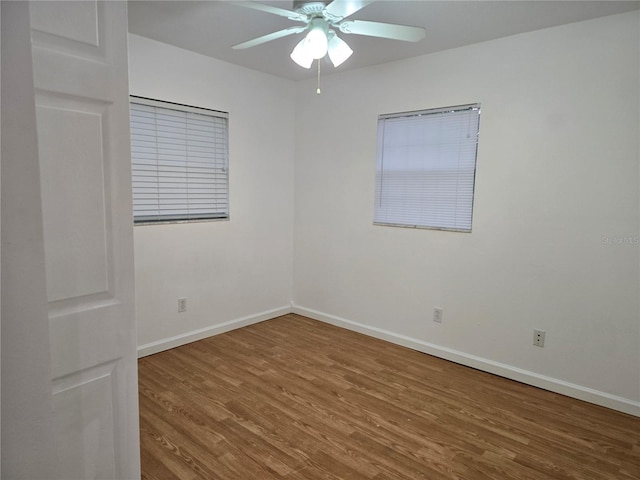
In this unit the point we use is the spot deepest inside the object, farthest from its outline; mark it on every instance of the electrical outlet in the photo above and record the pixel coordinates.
(538, 338)
(182, 304)
(437, 314)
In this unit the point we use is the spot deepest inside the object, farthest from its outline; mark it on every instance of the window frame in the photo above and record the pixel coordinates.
(380, 169)
(162, 219)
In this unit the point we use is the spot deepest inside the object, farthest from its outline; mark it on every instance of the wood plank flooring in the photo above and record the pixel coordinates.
(292, 398)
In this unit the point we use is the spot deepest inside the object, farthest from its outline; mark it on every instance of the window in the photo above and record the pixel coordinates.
(425, 170)
(179, 158)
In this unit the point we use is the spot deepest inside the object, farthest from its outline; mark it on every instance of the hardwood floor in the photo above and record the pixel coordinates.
(292, 398)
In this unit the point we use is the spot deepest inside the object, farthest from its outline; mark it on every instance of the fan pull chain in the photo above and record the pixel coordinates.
(318, 91)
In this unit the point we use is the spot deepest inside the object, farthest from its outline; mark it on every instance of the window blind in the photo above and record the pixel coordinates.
(179, 160)
(425, 169)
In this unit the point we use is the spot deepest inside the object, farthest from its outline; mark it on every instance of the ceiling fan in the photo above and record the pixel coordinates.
(321, 20)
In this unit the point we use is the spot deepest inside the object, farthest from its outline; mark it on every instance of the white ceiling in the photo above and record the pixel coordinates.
(213, 27)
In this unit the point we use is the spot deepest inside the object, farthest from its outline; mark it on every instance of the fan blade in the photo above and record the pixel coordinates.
(275, 10)
(269, 37)
(383, 30)
(339, 9)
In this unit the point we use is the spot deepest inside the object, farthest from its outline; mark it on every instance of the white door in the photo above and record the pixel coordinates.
(80, 71)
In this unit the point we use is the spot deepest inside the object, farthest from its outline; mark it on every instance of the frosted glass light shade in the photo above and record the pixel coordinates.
(316, 42)
(300, 54)
(339, 51)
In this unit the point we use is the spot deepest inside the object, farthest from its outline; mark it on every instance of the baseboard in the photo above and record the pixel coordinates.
(524, 376)
(183, 339)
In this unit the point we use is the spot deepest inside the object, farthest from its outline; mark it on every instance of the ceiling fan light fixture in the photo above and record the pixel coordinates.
(300, 54)
(339, 51)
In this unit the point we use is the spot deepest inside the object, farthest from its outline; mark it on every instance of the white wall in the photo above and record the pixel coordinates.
(557, 175)
(232, 272)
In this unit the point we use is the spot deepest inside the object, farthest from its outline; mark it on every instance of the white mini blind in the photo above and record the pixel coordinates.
(425, 171)
(179, 158)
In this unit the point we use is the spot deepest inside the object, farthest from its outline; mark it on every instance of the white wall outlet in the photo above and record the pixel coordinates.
(437, 314)
(182, 304)
(538, 338)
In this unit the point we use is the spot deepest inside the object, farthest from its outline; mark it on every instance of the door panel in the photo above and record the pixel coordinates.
(71, 146)
(84, 422)
(78, 24)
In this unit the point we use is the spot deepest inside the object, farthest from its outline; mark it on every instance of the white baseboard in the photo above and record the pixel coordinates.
(514, 373)
(183, 339)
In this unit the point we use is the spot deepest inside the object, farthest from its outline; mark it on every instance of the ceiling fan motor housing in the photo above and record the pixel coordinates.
(309, 8)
